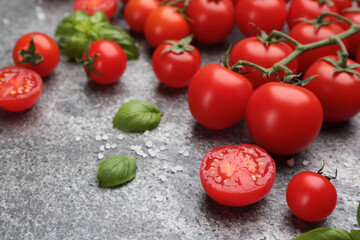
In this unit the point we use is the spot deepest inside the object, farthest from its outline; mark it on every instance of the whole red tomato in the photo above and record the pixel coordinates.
(308, 9)
(136, 13)
(38, 52)
(237, 175)
(217, 96)
(338, 92)
(311, 196)
(262, 53)
(265, 14)
(20, 88)
(354, 40)
(104, 61)
(175, 64)
(211, 21)
(165, 23)
(307, 33)
(109, 7)
(283, 118)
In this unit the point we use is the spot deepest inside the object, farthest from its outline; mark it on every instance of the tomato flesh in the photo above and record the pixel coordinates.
(109, 7)
(237, 175)
(20, 88)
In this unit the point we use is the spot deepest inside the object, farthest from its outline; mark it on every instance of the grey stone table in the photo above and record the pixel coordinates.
(49, 156)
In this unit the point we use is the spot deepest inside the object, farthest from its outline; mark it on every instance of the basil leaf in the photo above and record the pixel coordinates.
(121, 37)
(116, 170)
(325, 234)
(99, 17)
(358, 215)
(355, 234)
(67, 27)
(138, 116)
(75, 46)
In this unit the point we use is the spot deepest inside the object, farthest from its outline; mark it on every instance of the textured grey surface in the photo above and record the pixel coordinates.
(49, 156)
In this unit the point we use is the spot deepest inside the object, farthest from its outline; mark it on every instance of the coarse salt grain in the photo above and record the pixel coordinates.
(104, 137)
(97, 138)
(149, 144)
(163, 147)
(120, 137)
(77, 138)
(146, 133)
(108, 146)
(102, 148)
(100, 156)
(186, 153)
(113, 145)
(162, 178)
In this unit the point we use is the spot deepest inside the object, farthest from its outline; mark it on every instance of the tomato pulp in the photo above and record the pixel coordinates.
(237, 175)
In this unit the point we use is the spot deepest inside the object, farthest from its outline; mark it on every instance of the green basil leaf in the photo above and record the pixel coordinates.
(68, 26)
(355, 234)
(116, 170)
(325, 234)
(138, 116)
(358, 215)
(76, 46)
(119, 36)
(99, 17)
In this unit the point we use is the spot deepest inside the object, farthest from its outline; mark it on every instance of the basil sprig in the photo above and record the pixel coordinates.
(138, 116)
(79, 29)
(116, 170)
(331, 233)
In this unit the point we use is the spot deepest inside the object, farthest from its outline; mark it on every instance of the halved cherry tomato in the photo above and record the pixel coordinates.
(20, 88)
(109, 7)
(38, 52)
(237, 175)
(136, 13)
(105, 62)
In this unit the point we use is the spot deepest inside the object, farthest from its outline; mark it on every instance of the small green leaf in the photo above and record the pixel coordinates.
(137, 116)
(120, 37)
(76, 46)
(68, 26)
(325, 234)
(358, 215)
(116, 170)
(355, 234)
(98, 17)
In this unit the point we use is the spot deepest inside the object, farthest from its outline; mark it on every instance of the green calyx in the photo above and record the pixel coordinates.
(329, 2)
(30, 56)
(88, 63)
(342, 66)
(294, 79)
(180, 46)
(317, 22)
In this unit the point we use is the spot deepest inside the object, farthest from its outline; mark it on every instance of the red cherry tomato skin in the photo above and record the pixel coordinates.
(165, 23)
(212, 21)
(179, 5)
(311, 197)
(338, 92)
(308, 9)
(266, 55)
(136, 13)
(124, 1)
(45, 46)
(354, 40)
(343, 4)
(175, 70)
(110, 63)
(109, 7)
(217, 96)
(261, 13)
(237, 175)
(283, 119)
(306, 33)
(20, 88)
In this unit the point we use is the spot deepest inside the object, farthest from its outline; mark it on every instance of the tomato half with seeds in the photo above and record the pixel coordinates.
(20, 88)
(38, 52)
(109, 7)
(237, 175)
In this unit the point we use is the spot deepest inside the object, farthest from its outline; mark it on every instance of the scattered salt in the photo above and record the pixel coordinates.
(97, 138)
(6, 21)
(149, 144)
(100, 156)
(290, 162)
(162, 178)
(159, 197)
(108, 146)
(77, 138)
(186, 153)
(146, 133)
(181, 150)
(102, 148)
(165, 166)
(305, 162)
(104, 137)
(120, 137)
(163, 147)
(152, 152)
(177, 169)
(41, 16)
(347, 164)
(113, 146)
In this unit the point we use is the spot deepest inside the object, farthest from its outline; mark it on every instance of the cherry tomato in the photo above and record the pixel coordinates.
(283, 118)
(307, 33)
(338, 92)
(20, 88)
(264, 54)
(354, 40)
(107, 58)
(179, 5)
(343, 4)
(311, 196)
(124, 1)
(175, 69)
(237, 175)
(165, 23)
(211, 21)
(37, 52)
(136, 13)
(261, 13)
(109, 7)
(308, 9)
(217, 96)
